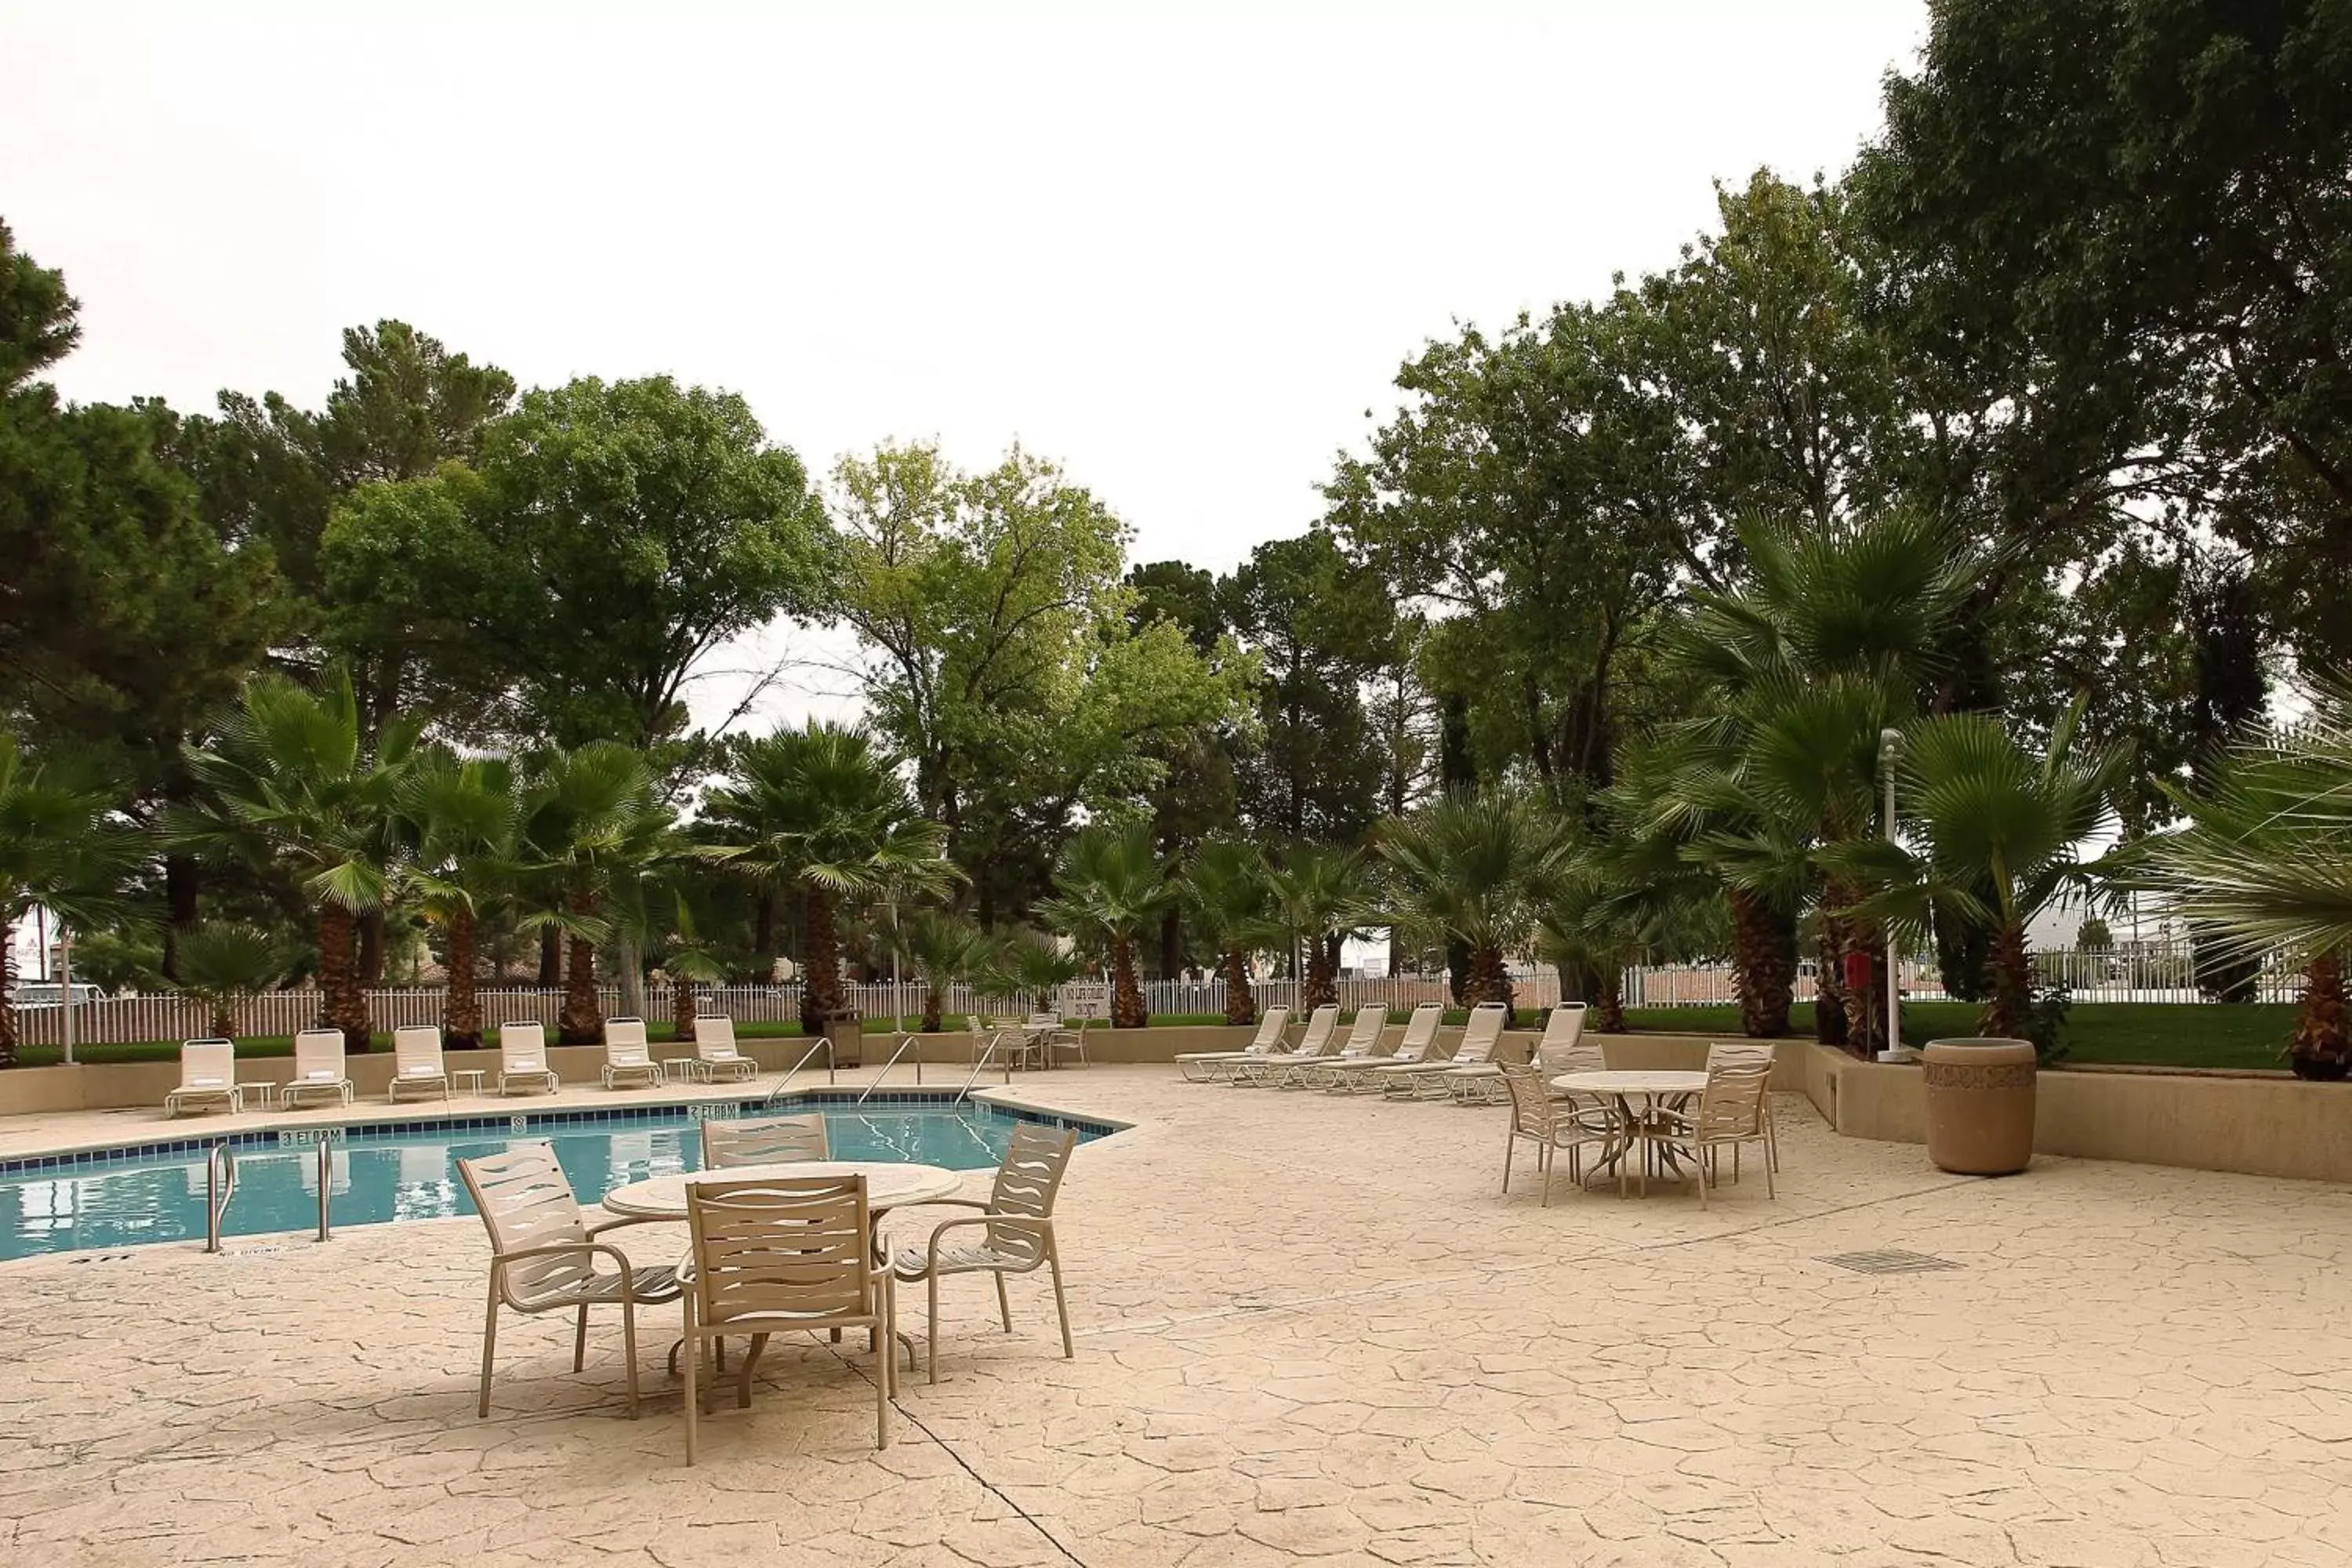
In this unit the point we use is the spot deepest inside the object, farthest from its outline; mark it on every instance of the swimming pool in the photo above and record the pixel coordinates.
(387, 1170)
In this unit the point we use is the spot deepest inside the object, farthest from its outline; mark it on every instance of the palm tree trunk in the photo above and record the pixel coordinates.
(371, 948)
(934, 1005)
(1241, 1002)
(1127, 1010)
(461, 1006)
(581, 1021)
(2322, 1047)
(1490, 981)
(550, 959)
(681, 1006)
(1829, 986)
(1608, 1003)
(821, 986)
(1762, 974)
(2012, 974)
(7, 1010)
(224, 1020)
(343, 1004)
(1322, 985)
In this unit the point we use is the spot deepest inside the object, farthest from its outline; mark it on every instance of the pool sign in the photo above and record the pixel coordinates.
(1086, 999)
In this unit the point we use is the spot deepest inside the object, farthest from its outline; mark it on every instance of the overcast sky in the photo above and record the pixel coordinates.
(1182, 255)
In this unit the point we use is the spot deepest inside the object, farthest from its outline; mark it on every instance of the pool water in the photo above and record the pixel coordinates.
(411, 1173)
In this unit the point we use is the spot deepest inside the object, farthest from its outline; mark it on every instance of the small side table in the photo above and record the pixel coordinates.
(469, 1079)
(263, 1094)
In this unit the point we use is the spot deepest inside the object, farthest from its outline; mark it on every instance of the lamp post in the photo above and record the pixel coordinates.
(1890, 743)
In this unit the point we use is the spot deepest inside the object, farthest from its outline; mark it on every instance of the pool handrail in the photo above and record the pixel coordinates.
(220, 1185)
(906, 1043)
(783, 1081)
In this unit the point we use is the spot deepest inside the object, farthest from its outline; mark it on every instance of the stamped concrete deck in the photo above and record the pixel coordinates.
(1309, 1330)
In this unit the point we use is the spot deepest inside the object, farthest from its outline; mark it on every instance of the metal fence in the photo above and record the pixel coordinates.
(2143, 972)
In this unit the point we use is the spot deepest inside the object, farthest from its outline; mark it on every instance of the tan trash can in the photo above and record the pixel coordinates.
(1981, 1106)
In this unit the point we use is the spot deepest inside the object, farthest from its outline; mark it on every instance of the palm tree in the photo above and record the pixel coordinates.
(226, 963)
(2266, 860)
(1466, 869)
(293, 783)
(1324, 894)
(464, 821)
(1107, 883)
(2002, 830)
(820, 811)
(943, 948)
(686, 961)
(1228, 889)
(1034, 966)
(61, 846)
(590, 817)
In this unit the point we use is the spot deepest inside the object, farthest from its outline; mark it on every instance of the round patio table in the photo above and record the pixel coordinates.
(887, 1184)
(1653, 1089)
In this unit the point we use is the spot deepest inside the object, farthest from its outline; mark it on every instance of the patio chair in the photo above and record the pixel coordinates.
(544, 1255)
(207, 1079)
(1563, 1038)
(1016, 1225)
(1553, 1125)
(1730, 1111)
(780, 1254)
(1207, 1066)
(1065, 1038)
(416, 1062)
(1319, 1039)
(522, 1058)
(1429, 1079)
(317, 1068)
(1364, 1036)
(773, 1140)
(1420, 1035)
(628, 1060)
(1752, 1051)
(1476, 1079)
(715, 1055)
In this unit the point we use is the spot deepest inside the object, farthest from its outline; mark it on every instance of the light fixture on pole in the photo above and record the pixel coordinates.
(1890, 743)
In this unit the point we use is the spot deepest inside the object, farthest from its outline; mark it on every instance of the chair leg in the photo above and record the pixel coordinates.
(580, 1339)
(885, 1352)
(693, 1380)
(628, 1343)
(489, 1348)
(1698, 1174)
(1769, 1164)
(1510, 1144)
(751, 1360)
(931, 1361)
(1061, 1303)
(1549, 1170)
(1004, 1302)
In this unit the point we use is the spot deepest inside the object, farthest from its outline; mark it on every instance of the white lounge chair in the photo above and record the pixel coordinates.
(1207, 1066)
(1420, 1035)
(628, 1060)
(1562, 1029)
(1429, 1079)
(317, 1068)
(522, 1058)
(715, 1055)
(207, 1079)
(416, 1062)
(1317, 1039)
(1371, 1022)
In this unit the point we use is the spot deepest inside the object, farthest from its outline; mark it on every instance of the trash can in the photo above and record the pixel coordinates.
(846, 1030)
(1980, 1105)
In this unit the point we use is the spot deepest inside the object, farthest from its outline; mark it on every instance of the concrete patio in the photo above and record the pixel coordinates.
(1308, 1331)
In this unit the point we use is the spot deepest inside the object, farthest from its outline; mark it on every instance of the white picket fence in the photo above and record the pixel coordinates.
(120, 1020)
(2147, 973)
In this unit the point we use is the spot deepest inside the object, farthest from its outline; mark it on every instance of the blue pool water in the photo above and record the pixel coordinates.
(407, 1171)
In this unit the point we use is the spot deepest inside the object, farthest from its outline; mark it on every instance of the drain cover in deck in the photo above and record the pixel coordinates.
(1889, 1262)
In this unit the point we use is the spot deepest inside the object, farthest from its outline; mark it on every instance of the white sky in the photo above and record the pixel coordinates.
(1182, 255)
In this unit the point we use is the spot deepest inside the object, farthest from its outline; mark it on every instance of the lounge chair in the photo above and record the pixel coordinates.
(1553, 1125)
(780, 1254)
(1730, 1111)
(773, 1140)
(544, 1255)
(317, 1068)
(1420, 1034)
(207, 1079)
(1431, 1080)
(522, 1058)
(1371, 1022)
(416, 1062)
(1016, 1236)
(628, 1057)
(1317, 1039)
(715, 1055)
(1563, 1028)
(1207, 1066)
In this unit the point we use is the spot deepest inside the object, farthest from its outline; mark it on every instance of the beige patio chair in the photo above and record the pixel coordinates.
(628, 1060)
(1730, 1111)
(1553, 1125)
(1364, 1036)
(544, 1255)
(1319, 1039)
(780, 1254)
(416, 1062)
(207, 1079)
(522, 1058)
(1207, 1066)
(1563, 1037)
(715, 1055)
(1420, 1035)
(1752, 1051)
(1430, 1078)
(1562, 1029)
(1064, 1039)
(773, 1140)
(1016, 1227)
(317, 1068)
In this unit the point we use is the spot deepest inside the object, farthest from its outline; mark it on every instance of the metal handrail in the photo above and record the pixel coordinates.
(777, 1093)
(220, 1185)
(979, 1063)
(910, 1042)
(326, 1181)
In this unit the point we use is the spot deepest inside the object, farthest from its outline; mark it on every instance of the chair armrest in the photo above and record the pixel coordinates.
(601, 1226)
(499, 1260)
(1043, 1228)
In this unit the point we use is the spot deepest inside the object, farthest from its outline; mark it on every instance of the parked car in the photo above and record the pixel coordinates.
(31, 994)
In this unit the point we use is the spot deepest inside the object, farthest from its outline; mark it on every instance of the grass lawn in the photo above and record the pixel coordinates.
(2141, 1034)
